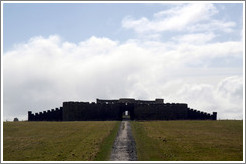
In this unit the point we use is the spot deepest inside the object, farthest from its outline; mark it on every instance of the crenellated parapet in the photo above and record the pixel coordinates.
(49, 115)
(130, 101)
(198, 115)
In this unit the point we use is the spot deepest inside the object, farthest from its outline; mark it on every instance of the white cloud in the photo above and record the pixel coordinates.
(44, 72)
(213, 25)
(187, 17)
(199, 38)
(231, 88)
(226, 96)
(194, 10)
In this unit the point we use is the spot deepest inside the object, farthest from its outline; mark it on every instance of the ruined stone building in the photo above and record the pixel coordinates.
(116, 109)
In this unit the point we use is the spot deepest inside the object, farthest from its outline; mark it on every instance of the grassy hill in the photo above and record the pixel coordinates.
(93, 140)
(189, 140)
(58, 141)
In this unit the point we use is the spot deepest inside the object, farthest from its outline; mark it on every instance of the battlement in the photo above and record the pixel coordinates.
(130, 100)
(115, 109)
(49, 115)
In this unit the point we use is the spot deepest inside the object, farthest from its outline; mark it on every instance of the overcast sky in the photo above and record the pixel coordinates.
(183, 52)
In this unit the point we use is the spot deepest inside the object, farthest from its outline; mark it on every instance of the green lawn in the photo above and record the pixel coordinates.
(189, 140)
(58, 141)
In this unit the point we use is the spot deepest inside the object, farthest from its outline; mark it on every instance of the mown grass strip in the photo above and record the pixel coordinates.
(55, 141)
(147, 148)
(106, 146)
(189, 140)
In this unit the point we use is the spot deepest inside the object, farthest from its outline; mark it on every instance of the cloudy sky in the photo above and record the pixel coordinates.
(183, 52)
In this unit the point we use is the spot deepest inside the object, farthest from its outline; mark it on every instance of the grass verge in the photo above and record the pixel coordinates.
(57, 141)
(189, 140)
(106, 146)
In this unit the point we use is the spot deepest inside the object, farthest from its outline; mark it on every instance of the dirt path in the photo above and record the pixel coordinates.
(124, 148)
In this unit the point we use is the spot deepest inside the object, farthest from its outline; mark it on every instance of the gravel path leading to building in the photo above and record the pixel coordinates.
(124, 148)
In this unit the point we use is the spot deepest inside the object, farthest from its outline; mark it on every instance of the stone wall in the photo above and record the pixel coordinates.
(198, 115)
(84, 111)
(160, 111)
(50, 115)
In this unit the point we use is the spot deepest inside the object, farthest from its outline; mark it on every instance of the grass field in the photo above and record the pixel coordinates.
(58, 141)
(189, 140)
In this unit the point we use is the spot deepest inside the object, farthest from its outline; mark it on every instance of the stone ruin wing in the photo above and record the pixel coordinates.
(115, 109)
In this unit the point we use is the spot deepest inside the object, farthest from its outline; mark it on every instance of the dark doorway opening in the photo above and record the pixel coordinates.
(127, 111)
(126, 115)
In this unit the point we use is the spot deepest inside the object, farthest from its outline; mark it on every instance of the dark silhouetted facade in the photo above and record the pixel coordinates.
(116, 109)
